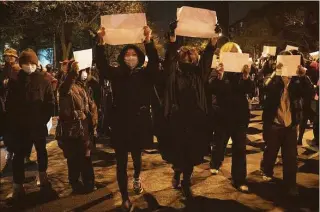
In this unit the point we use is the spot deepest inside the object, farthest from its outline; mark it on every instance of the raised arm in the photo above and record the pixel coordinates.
(151, 51)
(206, 59)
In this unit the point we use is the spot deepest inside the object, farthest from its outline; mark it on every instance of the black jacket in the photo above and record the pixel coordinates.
(299, 88)
(131, 119)
(232, 107)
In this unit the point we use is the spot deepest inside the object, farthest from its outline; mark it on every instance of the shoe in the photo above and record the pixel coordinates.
(18, 192)
(42, 179)
(77, 188)
(266, 178)
(176, 180)
(186, 190)
(137, 186)
(9, 157)
(214, 171)
(89, 187)
(293, 192)
(127, 206)
(243, 188)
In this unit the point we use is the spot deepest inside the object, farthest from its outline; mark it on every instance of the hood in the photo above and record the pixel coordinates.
(141, 56)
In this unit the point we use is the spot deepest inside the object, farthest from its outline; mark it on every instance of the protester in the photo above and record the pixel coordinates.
(30, 105)
(187, 129)
(233, 117)
(77, 111)
(131, 120)
(281, 115)
(8, 73)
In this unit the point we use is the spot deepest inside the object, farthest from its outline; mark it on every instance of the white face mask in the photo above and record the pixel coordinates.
(29, 68)
(131, 61)
(84, 75)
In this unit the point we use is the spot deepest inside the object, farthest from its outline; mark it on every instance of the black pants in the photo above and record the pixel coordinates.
(286, 138)
(186, 171)
(307, 115)
(122, 162)
(20, 153)
(239, 161)
(80, 165)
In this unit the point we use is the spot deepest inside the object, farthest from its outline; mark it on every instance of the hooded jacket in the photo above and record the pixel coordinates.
(131, 119)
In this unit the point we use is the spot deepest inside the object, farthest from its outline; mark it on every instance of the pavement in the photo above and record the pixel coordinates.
(212, 193)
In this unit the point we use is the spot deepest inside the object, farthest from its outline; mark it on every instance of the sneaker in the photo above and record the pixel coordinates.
(18, 192)
(9, 156)
(77, 188)
(42, 179)
(127, 206)
(176, 180)
(186, 190)
(266, 178)
(137, 186)
(214, 171)
(243, 188)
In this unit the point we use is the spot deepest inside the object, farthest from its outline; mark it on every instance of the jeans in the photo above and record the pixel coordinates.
(239, 161)
(286, 138)
(122, 162)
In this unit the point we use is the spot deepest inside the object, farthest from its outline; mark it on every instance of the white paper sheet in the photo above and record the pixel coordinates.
(315, 55)
(271, 50)
(290, 64)
(49, 125)
(288, 48)
(215, 61)
(196, 22)
(124, 28)
(84, 58)
(233, 62)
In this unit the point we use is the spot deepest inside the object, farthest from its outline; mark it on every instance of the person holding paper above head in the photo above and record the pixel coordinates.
(233, 114)
(281, 115)
(185, 108)
(131, 124)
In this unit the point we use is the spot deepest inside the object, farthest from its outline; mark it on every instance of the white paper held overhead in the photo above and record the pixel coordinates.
(196, 22)
(271, 50)
(290, 64)
(288, 48)
(233, 62)
(315, 55)
(84, 58)
(124, 28)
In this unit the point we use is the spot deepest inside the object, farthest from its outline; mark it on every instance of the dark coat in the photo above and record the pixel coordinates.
(232, 107)
(299, 89)
(130, 116)
(75, 104)
(29, 106)
(186, 131)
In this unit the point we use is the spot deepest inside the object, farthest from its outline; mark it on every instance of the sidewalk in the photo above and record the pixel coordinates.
(213, 193)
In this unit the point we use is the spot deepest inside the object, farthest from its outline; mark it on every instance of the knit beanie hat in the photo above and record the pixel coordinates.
(10, 52)
(28, 56)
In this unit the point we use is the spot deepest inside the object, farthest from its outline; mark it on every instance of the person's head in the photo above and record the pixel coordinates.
(131, 56)
(49, 68)
(64, 66)
(188, 55)
(28, 61)
(83, 74)
(231, 47)
(10, 56)
(296, 52)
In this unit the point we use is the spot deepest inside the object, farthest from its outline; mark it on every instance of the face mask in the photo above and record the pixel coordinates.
(84, 76)
(131, 61)
(29, 68)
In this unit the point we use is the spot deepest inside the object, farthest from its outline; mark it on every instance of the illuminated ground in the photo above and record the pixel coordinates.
(213, 193)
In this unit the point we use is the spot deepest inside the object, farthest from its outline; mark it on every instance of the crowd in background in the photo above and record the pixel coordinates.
(181, 100)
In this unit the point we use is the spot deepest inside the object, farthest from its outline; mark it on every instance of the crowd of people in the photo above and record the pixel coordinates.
(181, 100)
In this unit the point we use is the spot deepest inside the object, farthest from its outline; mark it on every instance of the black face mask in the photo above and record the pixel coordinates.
(187, 67)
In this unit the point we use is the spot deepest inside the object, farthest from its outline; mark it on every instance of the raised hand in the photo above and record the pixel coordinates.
(245, 72)
(301, 71)
(147, 32)
(220, 71)
(101, 33)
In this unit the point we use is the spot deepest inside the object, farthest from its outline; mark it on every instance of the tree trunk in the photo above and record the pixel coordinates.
(66, 44)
